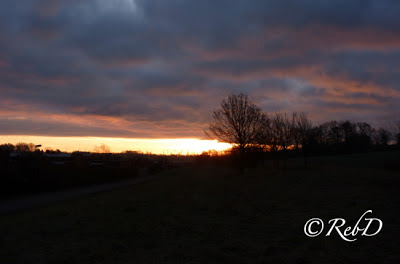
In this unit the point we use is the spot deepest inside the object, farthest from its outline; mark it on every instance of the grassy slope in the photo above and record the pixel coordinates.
(214, 215)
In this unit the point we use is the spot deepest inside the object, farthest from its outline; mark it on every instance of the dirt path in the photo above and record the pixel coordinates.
(31, 201)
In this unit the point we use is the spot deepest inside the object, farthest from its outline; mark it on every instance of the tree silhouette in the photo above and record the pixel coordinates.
(101, 149)
(284, 128)
(25, 147)
(7, 147)
(383, 137)
(302, 129)
(237, 122)
(394, 127)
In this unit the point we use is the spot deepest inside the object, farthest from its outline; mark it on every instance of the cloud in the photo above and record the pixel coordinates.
(159, 68)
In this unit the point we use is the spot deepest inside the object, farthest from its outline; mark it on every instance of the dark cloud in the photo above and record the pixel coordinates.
(159, 68)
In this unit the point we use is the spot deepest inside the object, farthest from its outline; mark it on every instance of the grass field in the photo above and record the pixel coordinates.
(216, 215)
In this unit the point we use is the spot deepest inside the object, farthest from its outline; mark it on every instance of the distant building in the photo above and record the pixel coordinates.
(81, 153)
(57, 155)
(14, 155)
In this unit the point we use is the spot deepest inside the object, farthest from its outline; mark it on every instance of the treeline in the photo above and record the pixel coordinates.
(282, 132)
(19, 147)
(347, 137)
(242, 123)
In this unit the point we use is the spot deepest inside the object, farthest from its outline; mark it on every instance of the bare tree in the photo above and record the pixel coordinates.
(302, 126)
(364, 129)
(25, 147)
(102, 149)
(349, 131)
(282, 132)
(266, 138)
(7, 147)
(238, 122)
(283, 128)
(302, 133)
(397, 131)
(394, 128)
(383, 137)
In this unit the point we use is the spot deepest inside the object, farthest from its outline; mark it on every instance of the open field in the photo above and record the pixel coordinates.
(215, 215)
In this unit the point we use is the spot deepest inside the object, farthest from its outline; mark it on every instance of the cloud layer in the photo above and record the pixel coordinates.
(151, 68)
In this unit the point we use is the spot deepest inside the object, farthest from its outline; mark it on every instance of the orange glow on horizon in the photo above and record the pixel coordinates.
(182, 146)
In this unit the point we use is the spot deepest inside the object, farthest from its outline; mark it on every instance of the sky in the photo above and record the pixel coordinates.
(155, 69)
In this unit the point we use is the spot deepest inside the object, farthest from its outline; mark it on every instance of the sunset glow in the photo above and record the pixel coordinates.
(181, 146)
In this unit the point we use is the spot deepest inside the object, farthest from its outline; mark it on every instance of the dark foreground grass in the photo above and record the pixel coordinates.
(215, 215)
